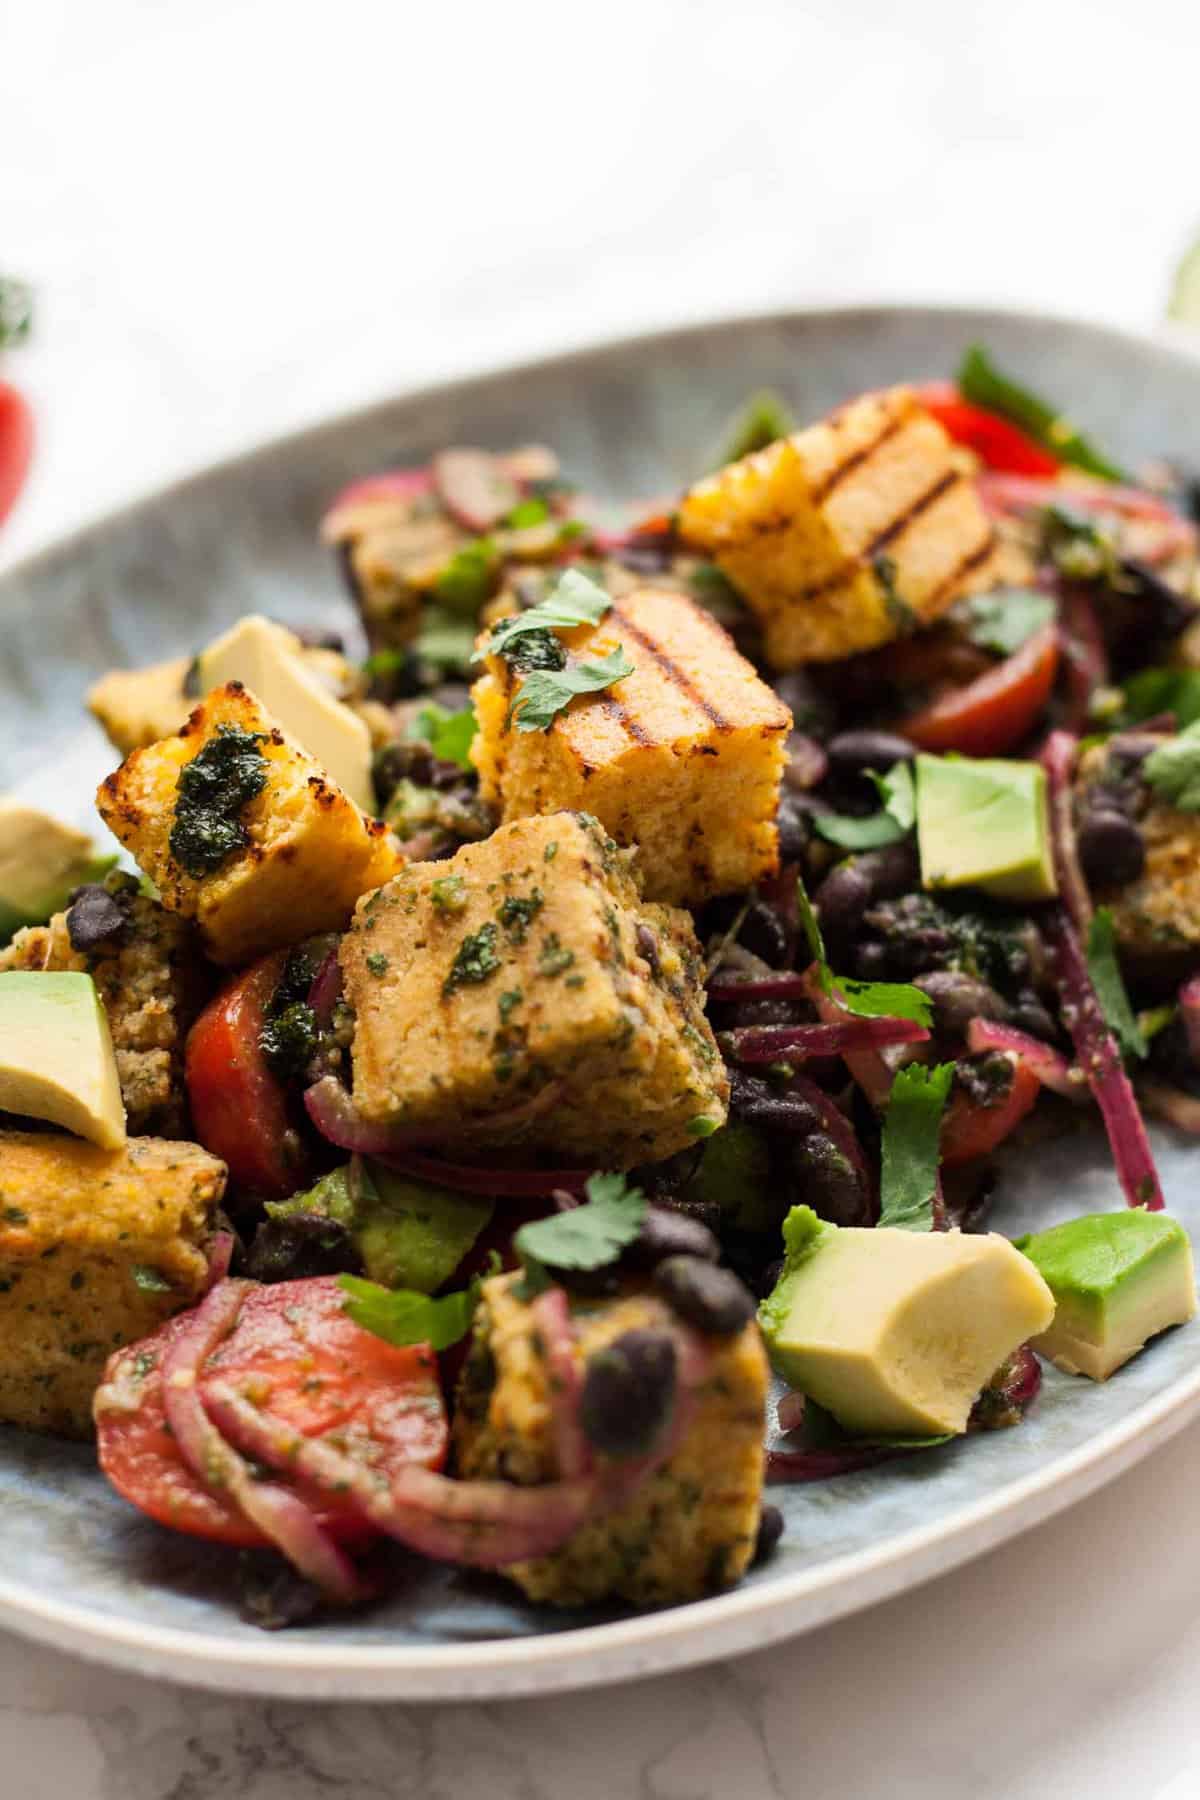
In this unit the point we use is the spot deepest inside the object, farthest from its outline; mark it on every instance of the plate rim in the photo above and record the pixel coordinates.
(678, 1637)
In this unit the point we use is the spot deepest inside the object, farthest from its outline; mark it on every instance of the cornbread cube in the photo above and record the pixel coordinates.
(848, 534)
(691, 1528)
(521, 994)
(394, 541)
(97, 1248)
(152, 981)
(308, 851)
(683, 758)
(1157, 917)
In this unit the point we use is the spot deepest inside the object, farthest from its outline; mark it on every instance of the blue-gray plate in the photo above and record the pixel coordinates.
(78, 1567)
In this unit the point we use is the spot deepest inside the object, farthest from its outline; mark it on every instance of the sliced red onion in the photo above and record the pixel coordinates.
(472, 1178)
(1022, 1378)
(1058, 759)
(389, 484)
(1189, 1012)
(551, 1314)
(1051, 1068)
(849, 1033)
(1171, 1104)
(474, 487)
(781, 984)
(797, 1466)
(789, 1413)
(326, 989)
(220, 1255)
(870, 1070)
(1006, 494)
(331, 1109)
(281, 1515)
(1100, 1059)
(1085, 659)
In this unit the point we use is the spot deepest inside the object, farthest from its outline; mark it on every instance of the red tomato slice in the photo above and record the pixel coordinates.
(994, 713)
(239, 1106)
(294, 1349)
(996, 443)
(970, 1130)
(16, 445)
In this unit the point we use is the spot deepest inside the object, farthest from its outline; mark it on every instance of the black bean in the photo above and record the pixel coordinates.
(1028, 1014)
(774, 1109)
(793, 823)
(829, 1182)
(757, 1012)
(95, 918)
(666, 1232)
(711, 1299)
(770, 1530)
(842, 898)
(854, 752)
(1111, 848)
(764, 934)
(806, 765)
(629, 1392)
(959, 998)
(767, 1277)
(314, 638)
(810, 709)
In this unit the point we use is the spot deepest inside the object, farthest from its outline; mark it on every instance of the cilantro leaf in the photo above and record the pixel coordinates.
(16, 311)
(1105, 972)
(1004, 620)
(576, 600)
(586, 1237)
(867, 999)
(469, 577)
(547, 692)
(448, 734)
(885, 827)
(443, 640)
(1153, 691)
(983, 384)
(911, 1128)
(527, 513)
(761, 420)
(1173, 770)
(404, 1316)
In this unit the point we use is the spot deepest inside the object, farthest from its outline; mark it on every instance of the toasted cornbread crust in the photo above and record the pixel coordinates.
(152, 983)
(1156, 917)
(691, 1528)
(682, 758)
(97, 1248)
(850, 533)
(522, 993)
(310, 854)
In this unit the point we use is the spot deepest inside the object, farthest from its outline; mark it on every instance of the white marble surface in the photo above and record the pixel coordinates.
(242, 214)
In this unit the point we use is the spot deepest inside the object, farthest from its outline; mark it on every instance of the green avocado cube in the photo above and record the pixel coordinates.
(1118, 1279)
(983, 823)
(409, 1234)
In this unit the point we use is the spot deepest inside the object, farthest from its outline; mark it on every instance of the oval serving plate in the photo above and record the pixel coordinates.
(80, 1569)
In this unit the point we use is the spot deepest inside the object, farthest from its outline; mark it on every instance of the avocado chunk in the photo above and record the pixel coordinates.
(735, 1175)
(266, 658)
(983, 824)
(1118, 1279)
(409, 1234)
(56, 1055)
(41, 860)
(895, 1332)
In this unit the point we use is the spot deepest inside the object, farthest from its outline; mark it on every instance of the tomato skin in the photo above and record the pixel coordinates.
(998, 445)
(239, 1105)
(970, 1130)
(16, 445)
(310, 1365)
(995, 712)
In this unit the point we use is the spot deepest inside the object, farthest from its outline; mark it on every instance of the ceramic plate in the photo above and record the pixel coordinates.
(80, 1569)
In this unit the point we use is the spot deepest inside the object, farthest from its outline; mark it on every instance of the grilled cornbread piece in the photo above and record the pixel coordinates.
(393, 546)
(151, 981)
(683, 758)
(97, 1248)
(305, 852)
(849, 534)
(522, 993)
(136, 707)
(691, 1528)
(1156, 917)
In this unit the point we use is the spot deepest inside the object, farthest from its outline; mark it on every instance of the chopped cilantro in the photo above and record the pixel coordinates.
(448, 894)
(149, 1280)
(508, 1003)
(893, 822)
(586, 1237)
(469, 577)
(404, 1316)
(576, 600)
(535, 650)
(443, 641)
(1153, 691)
(377, 962)
(544, 694)
(476, 961)
(526, 513)
(1173, 770)
(902, 616)
(761, 420)
(288, 1038)
(702, 1126)
(868, 999)
(554, 957)
(1007, 618)
(222, 778)
(551, 851)
(1105, 972)
(516, 913)
(448, 734)
(911, 1127)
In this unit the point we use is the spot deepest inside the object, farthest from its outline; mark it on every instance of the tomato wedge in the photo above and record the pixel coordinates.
(306, 1363)
(996, 443)
(16, 445)
(970, 1130)
(239, 1106)
(995, 712)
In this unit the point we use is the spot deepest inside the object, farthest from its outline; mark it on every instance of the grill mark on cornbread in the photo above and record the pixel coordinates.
(855, 460)
(967, 565)
(887, 536)
(671, 670)
(631, 726)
